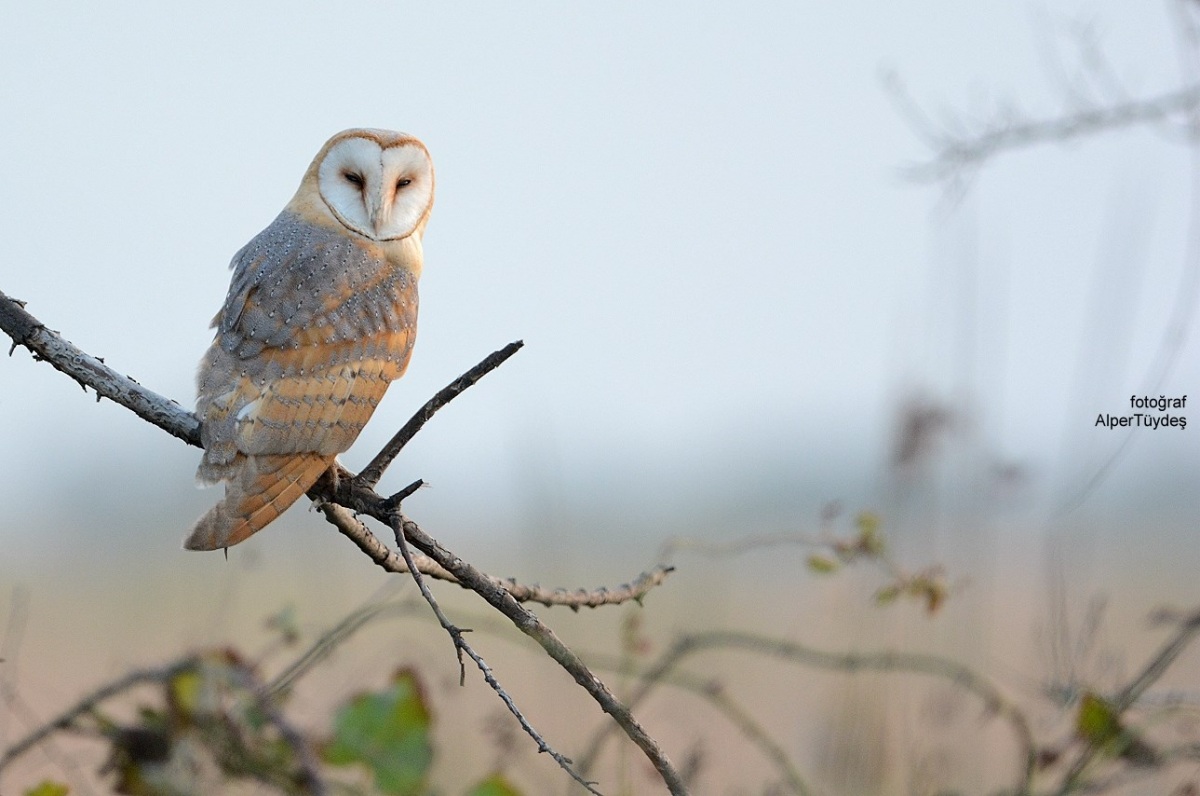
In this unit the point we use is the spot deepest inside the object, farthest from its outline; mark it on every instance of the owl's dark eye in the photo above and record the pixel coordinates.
(401, 183)
(354, 179)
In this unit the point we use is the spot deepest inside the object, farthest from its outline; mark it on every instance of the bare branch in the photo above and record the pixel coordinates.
(86, 705)
(461, 646)
(530, 625)
(956, 673)
(357, 496)
(1186, 633)
(374, 471)
(45, 344)
(345, 521)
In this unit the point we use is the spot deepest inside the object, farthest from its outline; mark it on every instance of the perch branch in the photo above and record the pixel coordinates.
(46, 344)
(365, 501)
(357, 496)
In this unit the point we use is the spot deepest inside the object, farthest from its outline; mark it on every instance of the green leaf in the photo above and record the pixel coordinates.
(821, 564)
(870, 541)
(48, 788)
(887, 595)
(388, 732)
(1097, 723)
(495, 785)
(1100, 725)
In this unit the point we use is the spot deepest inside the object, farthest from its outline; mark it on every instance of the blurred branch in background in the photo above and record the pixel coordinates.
(833, 552)
(962, 146)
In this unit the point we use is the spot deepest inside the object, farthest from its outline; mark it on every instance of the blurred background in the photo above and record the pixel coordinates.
(742, 297)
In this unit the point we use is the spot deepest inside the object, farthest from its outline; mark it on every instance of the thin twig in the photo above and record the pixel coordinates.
(371, 474)
(955, 153)
(1148, 676)
(529, 624)
(461, 646)
(89, 703)
(956, 673)
(456, 633)
(388, 559)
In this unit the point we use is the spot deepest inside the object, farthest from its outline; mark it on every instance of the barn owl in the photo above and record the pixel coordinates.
(321, 315)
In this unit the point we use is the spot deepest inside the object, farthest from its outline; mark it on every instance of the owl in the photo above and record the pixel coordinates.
(321, 316)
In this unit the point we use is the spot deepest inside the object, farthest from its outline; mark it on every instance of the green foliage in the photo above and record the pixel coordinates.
(388, 732)
(48, 788)
(822, 565)
(1098, 723)
(495, 785)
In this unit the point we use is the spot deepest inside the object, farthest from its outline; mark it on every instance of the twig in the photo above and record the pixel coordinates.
(456, 633)
(1148, 676)
(344, 520)
(533, 627)
(89, 703)
(374, 471)
(461, 646)
(310, 769)
(954, 153)
(956, 673)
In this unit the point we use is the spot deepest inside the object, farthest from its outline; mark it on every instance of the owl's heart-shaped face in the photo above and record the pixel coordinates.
(378, 184)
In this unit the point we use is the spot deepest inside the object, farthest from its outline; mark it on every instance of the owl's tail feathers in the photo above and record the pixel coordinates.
(259, 489)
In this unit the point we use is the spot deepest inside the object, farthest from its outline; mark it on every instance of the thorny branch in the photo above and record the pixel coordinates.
(457, 635)
(388, 559)
(357, 494)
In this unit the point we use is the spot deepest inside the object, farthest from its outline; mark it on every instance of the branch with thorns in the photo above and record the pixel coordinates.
(346, 495)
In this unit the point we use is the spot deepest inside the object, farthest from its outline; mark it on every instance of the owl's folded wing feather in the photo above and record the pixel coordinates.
(314, 328)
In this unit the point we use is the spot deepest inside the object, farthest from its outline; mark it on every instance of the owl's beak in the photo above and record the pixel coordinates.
(379, 210)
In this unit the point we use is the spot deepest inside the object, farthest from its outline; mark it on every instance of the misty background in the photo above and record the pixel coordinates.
(695, 215)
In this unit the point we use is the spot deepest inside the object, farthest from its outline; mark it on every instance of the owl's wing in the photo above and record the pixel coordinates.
(314, 328)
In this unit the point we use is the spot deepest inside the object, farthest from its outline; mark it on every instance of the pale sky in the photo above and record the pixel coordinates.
(692, 213)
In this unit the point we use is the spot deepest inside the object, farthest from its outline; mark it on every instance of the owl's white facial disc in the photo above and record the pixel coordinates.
(381, 194)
